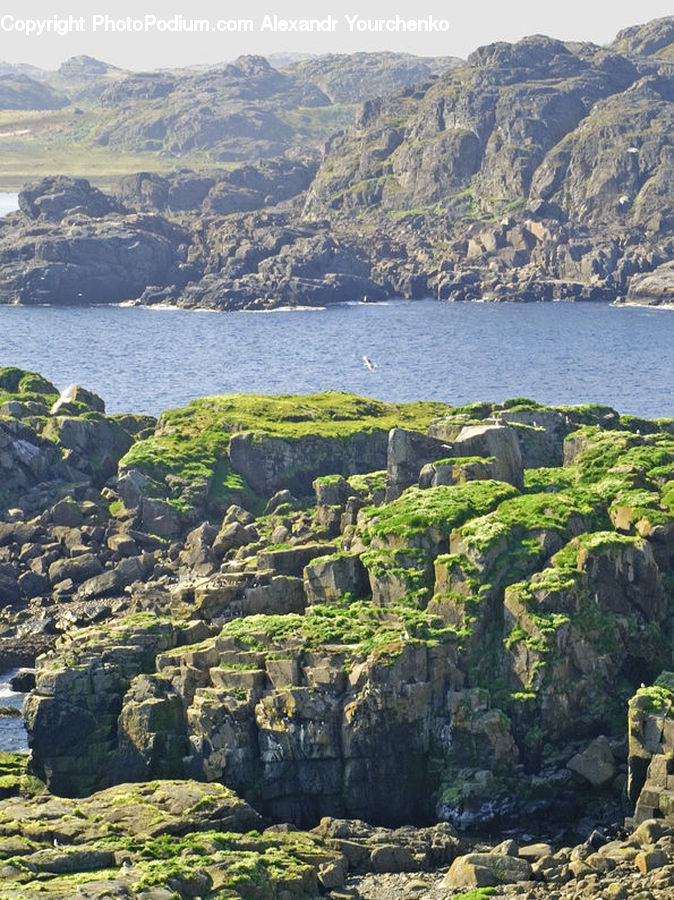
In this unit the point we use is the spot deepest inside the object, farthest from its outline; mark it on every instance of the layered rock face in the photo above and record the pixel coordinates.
(76, 245)
(450, 635)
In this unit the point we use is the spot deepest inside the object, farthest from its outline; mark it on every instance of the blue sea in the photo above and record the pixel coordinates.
(148, 359)
(12, 731)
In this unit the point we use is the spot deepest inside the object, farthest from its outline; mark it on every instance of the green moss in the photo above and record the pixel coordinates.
(549, 479)
(442, 508)
(518, 516)
(658, 698)
(19, 381)
(226, 487)
(189, 447)
(360, 626)
(477, 894)
(369, 483)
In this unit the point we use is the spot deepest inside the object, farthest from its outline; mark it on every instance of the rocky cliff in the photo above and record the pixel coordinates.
(443, 624)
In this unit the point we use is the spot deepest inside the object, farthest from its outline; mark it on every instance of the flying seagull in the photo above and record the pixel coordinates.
(367, 362)
(67, 396)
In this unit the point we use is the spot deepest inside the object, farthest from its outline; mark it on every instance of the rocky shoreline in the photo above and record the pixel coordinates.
(342, 611)
(540, 170)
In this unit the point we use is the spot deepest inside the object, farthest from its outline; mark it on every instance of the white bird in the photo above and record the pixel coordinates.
(57, 842)
(67, 396)
(367, 362)
(126, 866)
(623, 200)
(632, 149)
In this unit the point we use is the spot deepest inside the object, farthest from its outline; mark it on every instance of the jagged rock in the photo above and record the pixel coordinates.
(77, 569)
(151, 739)
(407, 453)
(92, 256)
(232, 536)
(496, 441)
(269, 464)
(330, 579)
(159, 518)
(596, 763)
(66, 512)
(113, 581)
(653, 288)
(293, 560)
(23, 681)
(280, 498)
(53, 198)
(200, 554)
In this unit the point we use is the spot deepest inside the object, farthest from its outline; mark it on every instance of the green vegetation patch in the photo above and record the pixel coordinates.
(20, 381)
(442, 508)
(358, 625)
(658, 698)
(14, 777)
(529, 513)
(553, 479)
(189, 447)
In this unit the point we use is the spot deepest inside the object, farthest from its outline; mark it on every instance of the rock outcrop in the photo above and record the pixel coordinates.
(462, 645)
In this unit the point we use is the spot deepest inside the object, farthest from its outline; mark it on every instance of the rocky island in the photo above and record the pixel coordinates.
(321, 645)
(540, 170)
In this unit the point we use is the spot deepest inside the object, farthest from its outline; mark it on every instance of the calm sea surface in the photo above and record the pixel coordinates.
(147, 360)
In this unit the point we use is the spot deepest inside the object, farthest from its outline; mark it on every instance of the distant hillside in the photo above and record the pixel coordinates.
(539, 170)
(537, 124)
(356, 77)
(205, 115)
(20, 91)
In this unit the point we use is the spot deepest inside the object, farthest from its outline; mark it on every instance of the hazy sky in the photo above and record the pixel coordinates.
(469, 24)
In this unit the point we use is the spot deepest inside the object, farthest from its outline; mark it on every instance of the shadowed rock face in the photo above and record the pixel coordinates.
(76, 245)
(52, 198)
(496, 118)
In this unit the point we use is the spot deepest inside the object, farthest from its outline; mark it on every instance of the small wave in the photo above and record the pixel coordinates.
(625, 305)
(284, 309)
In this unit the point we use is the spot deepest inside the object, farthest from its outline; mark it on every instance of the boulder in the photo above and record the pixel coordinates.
(291, 561)
(596, 763)
(328, 580)
(407, 453)
(497, 441)
(476, 870)
(77, 569)
(55, 197)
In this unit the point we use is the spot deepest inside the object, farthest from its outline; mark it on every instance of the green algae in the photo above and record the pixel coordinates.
(360, 626)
